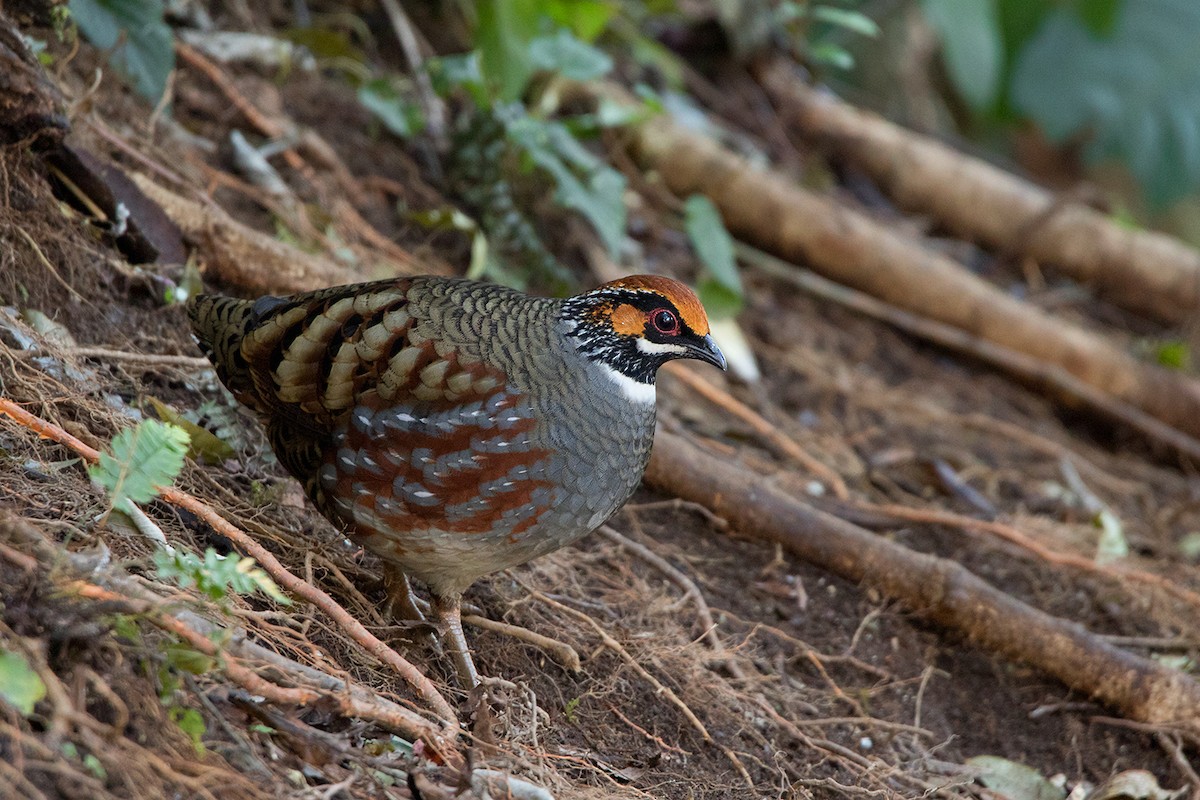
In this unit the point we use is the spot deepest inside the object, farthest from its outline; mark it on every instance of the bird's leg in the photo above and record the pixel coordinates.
(401, 602)
(448, 610)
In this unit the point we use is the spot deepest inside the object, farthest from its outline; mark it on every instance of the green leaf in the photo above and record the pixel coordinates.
(831, 54)
(1173, 355)
(326, 43)
(972, 51)
(721, 290)
(94, 766)
(570, 708)
(849, 19)
(1014, 781)
(1135, 92)
(203, 444)
(140, 460)
(20, 685)
(459, 71)
(398, 114)
(191, 723)
(505, 29)
(719, 302)
(562, 53)
(215, 575)
(1098, 16)
(587, 19)
(142, 44)
(188, 659)
(585, 183)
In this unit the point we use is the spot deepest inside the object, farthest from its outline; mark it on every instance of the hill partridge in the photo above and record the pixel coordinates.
(457, 428)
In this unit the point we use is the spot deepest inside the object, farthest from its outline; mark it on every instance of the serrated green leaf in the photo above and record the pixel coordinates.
(140, 460)
(712, 242)
(972, 51)
(398, 114)
(144, 44)
(215, 575)
(561, 52)
(1135, 91)
(570, 708)
(20, 685)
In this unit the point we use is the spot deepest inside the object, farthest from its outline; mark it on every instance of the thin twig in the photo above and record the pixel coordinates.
(45, 262)
(151, 359)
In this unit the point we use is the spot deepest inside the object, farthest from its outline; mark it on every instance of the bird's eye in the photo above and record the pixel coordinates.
(665, 321)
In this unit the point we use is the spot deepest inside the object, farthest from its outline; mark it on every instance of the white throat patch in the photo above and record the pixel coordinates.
(634, 391)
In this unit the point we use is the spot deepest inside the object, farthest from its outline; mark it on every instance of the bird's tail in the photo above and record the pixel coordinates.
(220, 324)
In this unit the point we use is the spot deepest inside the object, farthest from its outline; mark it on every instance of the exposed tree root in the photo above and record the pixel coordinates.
(1138, 269)
(944, 590)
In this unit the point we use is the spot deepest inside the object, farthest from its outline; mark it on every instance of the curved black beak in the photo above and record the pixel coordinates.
(706, 350)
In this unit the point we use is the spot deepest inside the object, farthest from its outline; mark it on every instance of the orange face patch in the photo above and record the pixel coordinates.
(627, 320)
(683, 298)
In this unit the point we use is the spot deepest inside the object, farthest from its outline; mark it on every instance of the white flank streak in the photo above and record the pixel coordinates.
(647, 346)
(635, 391)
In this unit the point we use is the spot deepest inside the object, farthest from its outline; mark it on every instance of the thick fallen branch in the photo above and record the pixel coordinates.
(940, 589)
(1141, 270)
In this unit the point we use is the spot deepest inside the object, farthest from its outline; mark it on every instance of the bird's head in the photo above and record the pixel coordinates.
(634, 325)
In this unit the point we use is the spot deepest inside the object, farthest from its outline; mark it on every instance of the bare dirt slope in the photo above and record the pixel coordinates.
(817, 687)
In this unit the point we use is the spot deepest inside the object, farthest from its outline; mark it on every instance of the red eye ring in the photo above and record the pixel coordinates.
(665, 321)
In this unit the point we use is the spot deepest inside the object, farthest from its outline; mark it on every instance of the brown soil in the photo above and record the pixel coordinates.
(866, 698)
